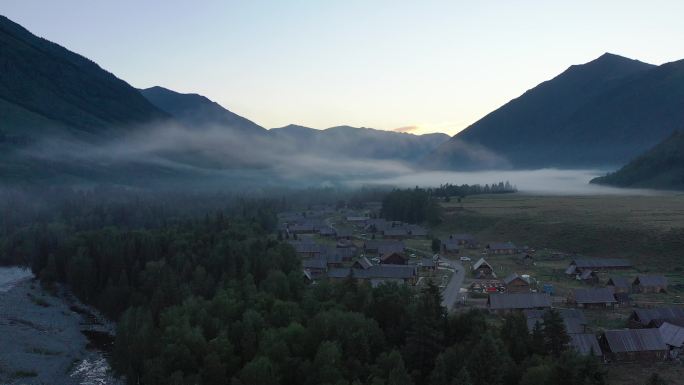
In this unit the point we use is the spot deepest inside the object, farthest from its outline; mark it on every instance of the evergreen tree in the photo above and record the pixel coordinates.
(555, 336)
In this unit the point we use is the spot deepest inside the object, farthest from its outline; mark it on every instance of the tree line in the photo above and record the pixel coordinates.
(217, 299)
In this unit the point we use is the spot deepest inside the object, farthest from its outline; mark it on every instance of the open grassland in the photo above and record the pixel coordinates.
(649, 230)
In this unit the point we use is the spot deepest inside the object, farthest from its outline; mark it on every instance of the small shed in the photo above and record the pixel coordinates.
(630, 345)
(649, 284)
(516, 284)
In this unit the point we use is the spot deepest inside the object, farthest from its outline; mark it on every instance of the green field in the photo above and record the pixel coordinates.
(647, 229)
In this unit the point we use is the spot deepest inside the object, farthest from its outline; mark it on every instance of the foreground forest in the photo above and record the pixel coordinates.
(203, 293)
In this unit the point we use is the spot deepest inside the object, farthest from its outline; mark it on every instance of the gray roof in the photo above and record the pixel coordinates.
(573, 319)
(450, 244)
(585, 344)
(672, 335)
(315, 263)
(427, 262)
(618, 281)
(502, 246)
(340, 252)
(634, 340)
(308, 247)
(598, 295)
(364, 263)
(586, 274)
(462, 237)
(395, 232)
(513, 277)
(650, 280)
(647, 315)
(418, 230)
(599, 263)
(376, 271)
(518, 301)
(384, 245)
(480, 262)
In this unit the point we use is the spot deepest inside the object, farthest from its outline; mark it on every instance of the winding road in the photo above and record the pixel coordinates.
(452, 292)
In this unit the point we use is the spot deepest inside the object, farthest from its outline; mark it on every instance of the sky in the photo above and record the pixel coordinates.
(413, 66)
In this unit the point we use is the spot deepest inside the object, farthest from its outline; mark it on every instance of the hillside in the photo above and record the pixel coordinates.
(355, 142)
(44, 85)
(197, 110)
(601, 113)
(662, 167)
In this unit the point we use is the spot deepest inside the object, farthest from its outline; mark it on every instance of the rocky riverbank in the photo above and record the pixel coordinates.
(48, 339)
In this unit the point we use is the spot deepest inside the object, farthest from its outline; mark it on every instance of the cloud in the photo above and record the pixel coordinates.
(407, 129)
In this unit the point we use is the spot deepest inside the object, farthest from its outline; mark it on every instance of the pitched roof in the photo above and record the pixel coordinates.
(647, 315)
(598, 295)
(518, 301)
(512, 278)
(634, 340)
(387, 256)
(650, 280)
(672, 335)
(586, 274)
(363, 263)
(618, 281)
(481, 262)
(598, 263)
(585, 344)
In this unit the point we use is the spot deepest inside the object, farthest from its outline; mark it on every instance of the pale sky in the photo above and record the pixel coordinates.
(387, 64)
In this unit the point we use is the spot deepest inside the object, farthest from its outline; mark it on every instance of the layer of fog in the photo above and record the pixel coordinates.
(542, 182)
(232, 157)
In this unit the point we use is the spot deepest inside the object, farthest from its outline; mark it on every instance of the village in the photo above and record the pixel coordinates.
(610, 308)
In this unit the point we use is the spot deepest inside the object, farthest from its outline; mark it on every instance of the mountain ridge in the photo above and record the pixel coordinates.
(595, 114)
(661, 167)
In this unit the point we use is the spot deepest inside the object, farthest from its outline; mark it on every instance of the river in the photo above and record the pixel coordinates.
(48, 339)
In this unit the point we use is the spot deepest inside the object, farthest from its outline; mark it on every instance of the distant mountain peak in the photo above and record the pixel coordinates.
(198, 110)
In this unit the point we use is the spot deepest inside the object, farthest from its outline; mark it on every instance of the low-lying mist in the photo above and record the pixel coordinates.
(542, 181)
(219, 157)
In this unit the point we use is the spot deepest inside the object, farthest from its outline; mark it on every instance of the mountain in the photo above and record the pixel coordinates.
(601, 113)
(662, 167)
(360, 142)
(198, 110)
(44, 86)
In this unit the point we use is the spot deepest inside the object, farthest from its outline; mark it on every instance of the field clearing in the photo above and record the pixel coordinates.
(643, 211)
(648, 229)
